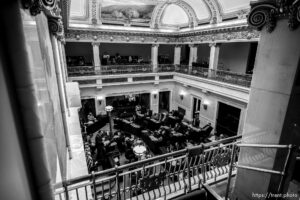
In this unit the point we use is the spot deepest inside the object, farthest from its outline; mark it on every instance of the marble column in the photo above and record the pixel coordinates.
(61, 47)
(193, 54)
(273, 111)
(177, 54)
(154, 56)
(96, 55)
(213, 58)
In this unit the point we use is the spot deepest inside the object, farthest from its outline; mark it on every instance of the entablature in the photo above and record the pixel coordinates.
(223, 34)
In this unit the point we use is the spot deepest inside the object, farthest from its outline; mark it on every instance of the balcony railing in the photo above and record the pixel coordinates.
(218, 75)
(125, 69)
(81, 70)
(162, 176)
(231, 77)
(200, 71)
(165, 68)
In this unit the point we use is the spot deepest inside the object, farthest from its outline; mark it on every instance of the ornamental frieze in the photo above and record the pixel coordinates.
(225, 34)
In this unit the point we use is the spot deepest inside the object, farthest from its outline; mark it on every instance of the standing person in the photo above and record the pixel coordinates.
(105, 58)
(118, 58)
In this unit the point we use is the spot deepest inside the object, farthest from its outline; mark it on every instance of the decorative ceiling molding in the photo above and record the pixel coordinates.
(65, 12)
(157, 14)
(243, 33)
(214, 7)
(94, 11)
(189, 11)
(161, 7)
(267, 13)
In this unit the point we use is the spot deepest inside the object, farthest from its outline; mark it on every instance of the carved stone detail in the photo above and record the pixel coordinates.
(95, 43)
(52, 11)
(94, 12)
(268, 12)
(215, 11)
(56, 27)
(146, 37)
(36, 6)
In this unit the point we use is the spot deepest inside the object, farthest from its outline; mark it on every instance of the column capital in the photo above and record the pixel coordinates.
(267, 13)
(178, 45)
(214, 44)
(95, 43)
(155, 45)
(192, 45)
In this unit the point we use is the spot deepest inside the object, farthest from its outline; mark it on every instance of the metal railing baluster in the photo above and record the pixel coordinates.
(86, 194)
(77, 195)
(94, 186)
(66, 190)
(188, 170)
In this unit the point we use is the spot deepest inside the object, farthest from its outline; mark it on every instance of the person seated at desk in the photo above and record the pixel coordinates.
(156, 139)
(91, 118)
(149, 113)
(120, 140)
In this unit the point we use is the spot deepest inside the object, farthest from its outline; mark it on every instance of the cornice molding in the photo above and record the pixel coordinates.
(266, 13)
(243, 33)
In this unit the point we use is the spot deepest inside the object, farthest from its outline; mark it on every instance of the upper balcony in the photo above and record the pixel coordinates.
(229, 77)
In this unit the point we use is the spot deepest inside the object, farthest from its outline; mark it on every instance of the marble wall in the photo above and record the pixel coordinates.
(42, 69)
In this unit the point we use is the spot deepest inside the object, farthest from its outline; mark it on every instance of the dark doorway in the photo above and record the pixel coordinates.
(164, 101)
(88, 106)
(127, 103)
(196, 111)
(228, 120)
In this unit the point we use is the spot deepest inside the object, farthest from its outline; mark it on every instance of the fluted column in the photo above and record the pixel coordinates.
(96, 55)
(177, 54)
(193, 54)
(154, 56)
(213, 58)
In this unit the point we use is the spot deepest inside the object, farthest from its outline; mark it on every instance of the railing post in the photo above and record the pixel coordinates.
(188, 169)
(118, 184)
(230, 170)
(94, 186)
(155, 68)
(66, 190)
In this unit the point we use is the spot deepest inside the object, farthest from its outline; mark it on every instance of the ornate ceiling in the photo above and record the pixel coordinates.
(154, 14)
